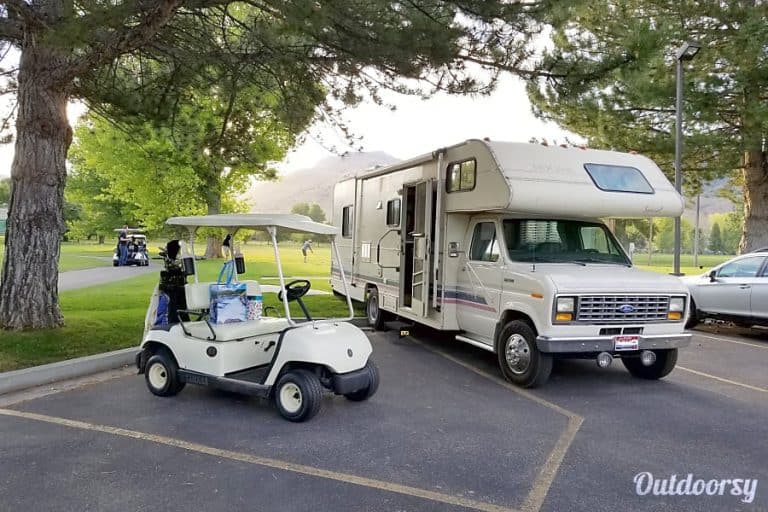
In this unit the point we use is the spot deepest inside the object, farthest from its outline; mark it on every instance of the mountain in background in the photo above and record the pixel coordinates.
(312, 185)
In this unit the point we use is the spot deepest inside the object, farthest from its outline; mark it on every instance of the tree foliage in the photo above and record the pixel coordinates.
(612, 80)
(130, 60)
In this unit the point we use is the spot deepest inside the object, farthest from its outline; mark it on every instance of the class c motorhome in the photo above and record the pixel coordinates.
(503, 244)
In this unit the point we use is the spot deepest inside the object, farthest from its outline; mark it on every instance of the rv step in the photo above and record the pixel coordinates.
(404, 328)
(476, 343)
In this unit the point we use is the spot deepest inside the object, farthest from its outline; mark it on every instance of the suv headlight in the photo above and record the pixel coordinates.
(676, 308)
(565, 308)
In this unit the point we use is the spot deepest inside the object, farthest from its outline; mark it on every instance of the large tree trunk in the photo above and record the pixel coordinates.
(213, 200)
(29, 288)
(755, 234)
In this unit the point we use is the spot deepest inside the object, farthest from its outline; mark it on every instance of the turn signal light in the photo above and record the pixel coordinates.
(564, 317)
(674, 315)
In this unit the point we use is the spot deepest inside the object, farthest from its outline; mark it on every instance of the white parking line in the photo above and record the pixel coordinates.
(720, 379)
(265, 462)
(729, 340)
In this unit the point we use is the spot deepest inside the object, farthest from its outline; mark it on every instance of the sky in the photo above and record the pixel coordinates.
(417, 126)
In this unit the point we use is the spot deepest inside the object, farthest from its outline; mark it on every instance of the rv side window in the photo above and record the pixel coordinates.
(461, 176)
(346, 222)
(618, 178)
(393, 212)
(485, 245)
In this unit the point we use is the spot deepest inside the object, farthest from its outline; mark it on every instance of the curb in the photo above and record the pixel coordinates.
(71, 368)
(46, 374)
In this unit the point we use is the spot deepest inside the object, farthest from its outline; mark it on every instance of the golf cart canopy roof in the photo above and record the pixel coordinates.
(129, 230)
(289, 221)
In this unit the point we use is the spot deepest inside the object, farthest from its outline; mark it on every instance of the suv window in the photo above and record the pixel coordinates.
(746, 267)
(485, 245)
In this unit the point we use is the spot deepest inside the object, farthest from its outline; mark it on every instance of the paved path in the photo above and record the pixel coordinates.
(75, 279)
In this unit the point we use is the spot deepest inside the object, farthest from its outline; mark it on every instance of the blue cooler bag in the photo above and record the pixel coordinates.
(229, 302)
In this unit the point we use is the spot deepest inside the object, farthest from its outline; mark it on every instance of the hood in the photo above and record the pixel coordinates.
(610, 279)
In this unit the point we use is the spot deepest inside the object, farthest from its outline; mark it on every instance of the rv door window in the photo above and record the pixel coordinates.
(618, 178)
(346, 222)
(462, 176)
(485, 245)
(393, 212)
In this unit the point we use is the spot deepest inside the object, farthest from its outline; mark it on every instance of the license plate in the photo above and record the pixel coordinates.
(626, 342)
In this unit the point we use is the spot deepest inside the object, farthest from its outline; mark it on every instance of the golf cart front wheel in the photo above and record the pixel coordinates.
(161, 377)
(373, 384)
(298, 395)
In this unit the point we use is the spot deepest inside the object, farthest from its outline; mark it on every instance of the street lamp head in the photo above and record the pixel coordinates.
(688, 50)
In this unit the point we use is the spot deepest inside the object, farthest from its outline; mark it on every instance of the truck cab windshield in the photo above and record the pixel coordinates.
(561, 241)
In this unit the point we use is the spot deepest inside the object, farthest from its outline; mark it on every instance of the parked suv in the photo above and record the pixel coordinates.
(736, 290)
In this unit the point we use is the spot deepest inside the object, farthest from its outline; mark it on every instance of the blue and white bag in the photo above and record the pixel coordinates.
(229, 302)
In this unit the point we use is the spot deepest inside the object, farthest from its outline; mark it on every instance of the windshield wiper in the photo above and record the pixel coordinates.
(598, 260)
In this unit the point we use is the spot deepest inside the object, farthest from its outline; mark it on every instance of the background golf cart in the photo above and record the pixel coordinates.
(137, 249)
(272, 357)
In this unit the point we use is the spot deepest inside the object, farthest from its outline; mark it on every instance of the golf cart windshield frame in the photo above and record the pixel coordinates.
(297, 223)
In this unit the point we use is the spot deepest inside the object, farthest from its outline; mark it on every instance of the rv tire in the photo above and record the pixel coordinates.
(373, 311)
(693, 318)
(519, 359)
(664, 364)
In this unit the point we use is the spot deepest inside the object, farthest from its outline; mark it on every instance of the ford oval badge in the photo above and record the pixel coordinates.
(626, 308)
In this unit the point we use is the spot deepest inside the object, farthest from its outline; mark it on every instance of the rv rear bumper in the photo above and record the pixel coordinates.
(606, 343)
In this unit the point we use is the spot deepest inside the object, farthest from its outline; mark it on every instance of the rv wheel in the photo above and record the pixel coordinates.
(693, 318)
(298, 395)
(373, 311)
(160, 375)
(664, 364)
(520, 361)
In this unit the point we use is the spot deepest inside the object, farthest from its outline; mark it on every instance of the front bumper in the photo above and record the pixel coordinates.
(605, 343)
(344, 383)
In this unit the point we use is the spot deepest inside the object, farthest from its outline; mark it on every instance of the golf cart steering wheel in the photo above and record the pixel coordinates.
(295, 290)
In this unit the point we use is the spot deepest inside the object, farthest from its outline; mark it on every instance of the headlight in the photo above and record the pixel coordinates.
(565, 304)
(677, 304)
(565, 307)
(676, 308)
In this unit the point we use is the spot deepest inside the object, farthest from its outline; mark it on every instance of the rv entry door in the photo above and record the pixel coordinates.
(416, 252)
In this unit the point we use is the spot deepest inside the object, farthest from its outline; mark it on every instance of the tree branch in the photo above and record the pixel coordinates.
(10, 30)
(126, 39)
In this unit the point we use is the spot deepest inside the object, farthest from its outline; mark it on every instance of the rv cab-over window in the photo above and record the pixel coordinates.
(618, 178)
(462, 176)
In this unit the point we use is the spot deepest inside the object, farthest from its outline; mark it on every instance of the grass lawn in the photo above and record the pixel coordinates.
(77, 256)
(111, 316)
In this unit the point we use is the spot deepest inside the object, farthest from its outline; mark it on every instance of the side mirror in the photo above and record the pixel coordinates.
(713, 276)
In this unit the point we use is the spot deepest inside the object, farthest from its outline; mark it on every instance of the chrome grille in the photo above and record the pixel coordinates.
(601, 309)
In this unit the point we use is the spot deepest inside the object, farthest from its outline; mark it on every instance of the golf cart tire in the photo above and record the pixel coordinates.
(161, 375)
(693, 318)
(373, 312)
(539, 367)
(373, 384)
(664, 364)
(310, 395)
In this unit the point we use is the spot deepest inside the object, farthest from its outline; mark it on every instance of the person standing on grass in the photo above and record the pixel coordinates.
(307, 246)
(226, 247)
(122, 246)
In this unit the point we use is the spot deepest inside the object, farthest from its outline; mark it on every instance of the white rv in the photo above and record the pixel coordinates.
(503, 244)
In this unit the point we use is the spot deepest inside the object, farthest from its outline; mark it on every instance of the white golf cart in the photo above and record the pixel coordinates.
(270, 357)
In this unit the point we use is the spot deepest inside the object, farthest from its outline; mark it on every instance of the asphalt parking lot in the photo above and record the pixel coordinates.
(444, 432)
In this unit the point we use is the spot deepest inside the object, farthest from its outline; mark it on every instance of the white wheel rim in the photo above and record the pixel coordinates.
(290, 397)
(158, 376)
(517, 354)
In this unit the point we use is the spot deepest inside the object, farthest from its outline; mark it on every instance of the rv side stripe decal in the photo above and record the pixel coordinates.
(452, 295)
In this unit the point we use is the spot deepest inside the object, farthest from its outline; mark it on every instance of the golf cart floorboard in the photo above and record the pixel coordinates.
(225, 383)
(257, 375)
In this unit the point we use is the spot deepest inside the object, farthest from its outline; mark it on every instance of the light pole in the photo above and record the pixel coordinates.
(686, 52)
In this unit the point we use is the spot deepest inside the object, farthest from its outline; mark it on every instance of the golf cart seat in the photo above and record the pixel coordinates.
(199, 299)
(236, 330)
